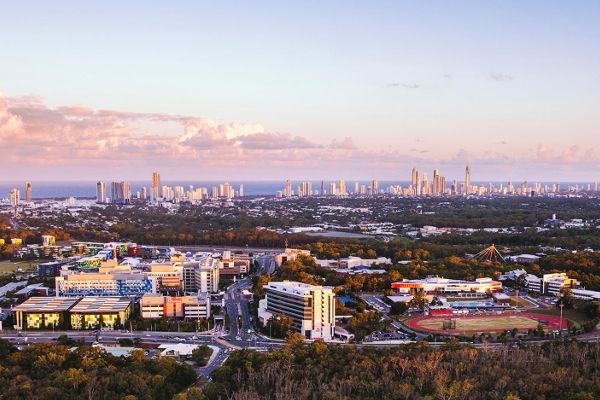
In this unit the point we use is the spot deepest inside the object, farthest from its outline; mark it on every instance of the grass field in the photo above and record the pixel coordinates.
(8, 267)
(520, 302)
(487, 323)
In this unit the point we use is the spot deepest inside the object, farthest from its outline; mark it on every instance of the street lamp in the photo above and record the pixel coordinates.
(561, 316)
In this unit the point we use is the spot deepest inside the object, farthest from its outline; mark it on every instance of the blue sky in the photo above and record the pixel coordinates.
(506, 86)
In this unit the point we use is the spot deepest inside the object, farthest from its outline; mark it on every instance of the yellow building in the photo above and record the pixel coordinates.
(44, 312)
(100, 312)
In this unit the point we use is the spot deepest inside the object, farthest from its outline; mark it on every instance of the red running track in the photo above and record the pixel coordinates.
(551, 322)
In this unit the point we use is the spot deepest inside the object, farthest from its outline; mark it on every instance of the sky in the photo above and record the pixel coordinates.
(305, 90)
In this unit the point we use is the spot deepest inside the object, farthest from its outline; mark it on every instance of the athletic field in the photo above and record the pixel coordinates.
(487, 323)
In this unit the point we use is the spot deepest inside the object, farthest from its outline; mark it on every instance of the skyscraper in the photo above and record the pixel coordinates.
(288, 188)
(241, 193)
(120, 192)
(155, 189)
(342, 187)
(15, 197)
(436, 181)
(322, 188)
(28, 191)
(415, 173)
(144, 193)
(101, 192)
(468, 179)
(356, 188)
(375, 187)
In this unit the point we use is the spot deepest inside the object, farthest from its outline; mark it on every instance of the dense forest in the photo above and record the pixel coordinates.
(55, 372)
(318, 371)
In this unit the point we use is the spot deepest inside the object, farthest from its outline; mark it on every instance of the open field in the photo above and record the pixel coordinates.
(487, 323)
(8, 267)
(521, 302)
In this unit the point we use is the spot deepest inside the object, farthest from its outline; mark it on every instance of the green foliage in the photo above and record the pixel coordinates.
(51, 371)
(201, 355)
(410, 372)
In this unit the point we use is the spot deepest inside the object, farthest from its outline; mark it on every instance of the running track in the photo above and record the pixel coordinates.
(551, 322)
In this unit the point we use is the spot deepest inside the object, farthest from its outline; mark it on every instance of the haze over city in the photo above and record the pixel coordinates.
(307, 91)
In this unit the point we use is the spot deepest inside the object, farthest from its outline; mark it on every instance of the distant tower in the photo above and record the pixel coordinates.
(342, 187)
(288, 187)
(375, 187)
(28, 191)
(436, 181)
(415, 173)
(155, 189)
(468, 179)
(15, 197)
(322, 188)
(241, 194)
(101, 192)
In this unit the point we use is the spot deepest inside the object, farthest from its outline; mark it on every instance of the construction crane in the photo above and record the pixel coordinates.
(489, 254)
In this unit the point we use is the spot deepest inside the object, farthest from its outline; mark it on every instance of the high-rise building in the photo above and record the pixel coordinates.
(332, 189)
(342, 187)
(288, 188)
(312, 308)
(356, 187)
(155, 193)
(144, 194)
(375, 187)
(323, 188)
(15, 197)
(28, 191)
(468, 179)
(436, 182)
(120, 192)
(101, 192)
(241, 193)
(415, 173)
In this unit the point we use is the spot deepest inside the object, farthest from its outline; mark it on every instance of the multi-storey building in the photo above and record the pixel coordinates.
(443, 285)
(119, 281)
(191, 307)
(312, 308)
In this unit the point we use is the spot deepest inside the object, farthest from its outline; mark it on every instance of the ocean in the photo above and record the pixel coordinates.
(81, 189)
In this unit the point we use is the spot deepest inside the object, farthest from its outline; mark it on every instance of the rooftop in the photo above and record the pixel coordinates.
(46, 304)
(94, 304)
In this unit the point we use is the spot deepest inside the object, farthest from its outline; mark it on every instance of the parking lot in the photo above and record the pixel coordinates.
(376, 301)
(387, 334)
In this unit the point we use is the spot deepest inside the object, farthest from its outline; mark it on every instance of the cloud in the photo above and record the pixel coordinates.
(500, 77)
(403, 85)
(275, 141)
(346, 144)
(447, 76)
(71, 141)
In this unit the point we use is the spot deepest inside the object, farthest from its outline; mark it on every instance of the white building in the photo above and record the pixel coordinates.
(312, 308)
(443, 285)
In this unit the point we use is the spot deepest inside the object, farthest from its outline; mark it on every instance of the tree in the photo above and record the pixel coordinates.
(419, 300)
(201, 355)
(398, 308)
(567, 299)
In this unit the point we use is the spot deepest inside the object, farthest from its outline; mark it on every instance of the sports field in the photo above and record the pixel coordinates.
(487, 323)
(8, 267)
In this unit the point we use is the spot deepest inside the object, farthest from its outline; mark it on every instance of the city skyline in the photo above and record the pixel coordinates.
(508, 88)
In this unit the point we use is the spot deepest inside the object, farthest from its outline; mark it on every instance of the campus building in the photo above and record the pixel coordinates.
(100, 312)
(551, 284)
(115, 281)
(191, 307)
(443, 285)
(44, 313)
(312, 308)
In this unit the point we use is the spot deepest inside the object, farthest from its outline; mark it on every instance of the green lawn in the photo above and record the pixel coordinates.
(577, 317)
(8, 267)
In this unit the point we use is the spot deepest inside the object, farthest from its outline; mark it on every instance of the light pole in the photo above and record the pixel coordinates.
(561, 318)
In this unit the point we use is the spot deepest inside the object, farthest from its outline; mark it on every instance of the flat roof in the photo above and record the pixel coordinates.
(46, 304)
(96, 304)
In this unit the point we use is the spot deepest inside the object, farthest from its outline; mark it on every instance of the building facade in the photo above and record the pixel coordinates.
(312, 308)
